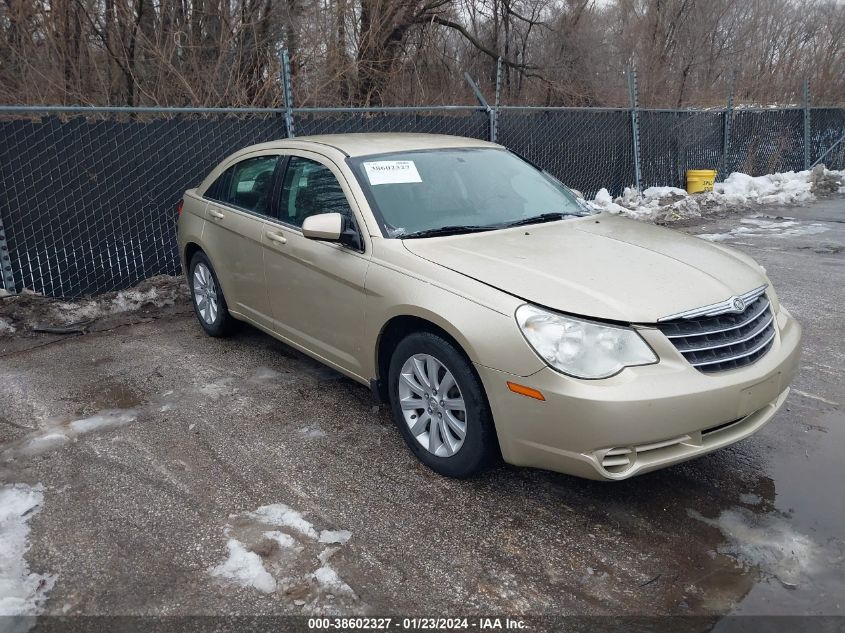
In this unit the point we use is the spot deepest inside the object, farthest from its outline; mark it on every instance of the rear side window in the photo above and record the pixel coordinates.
(310, 189)
(246, 185)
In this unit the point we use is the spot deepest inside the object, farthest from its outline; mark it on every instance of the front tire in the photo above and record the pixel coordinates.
(440, 407)
(207, 298)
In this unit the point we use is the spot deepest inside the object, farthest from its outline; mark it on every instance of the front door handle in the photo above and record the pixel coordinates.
(276, 237)
(214, 213)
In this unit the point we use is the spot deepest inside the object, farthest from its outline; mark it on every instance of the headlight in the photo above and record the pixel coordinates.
(582, 348)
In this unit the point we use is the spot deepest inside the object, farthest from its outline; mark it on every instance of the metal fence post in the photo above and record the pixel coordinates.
(288, 94)
(491, 113)
(494, 133)
(806, 124)
(729, 115)
(635, 124)
(7, 279)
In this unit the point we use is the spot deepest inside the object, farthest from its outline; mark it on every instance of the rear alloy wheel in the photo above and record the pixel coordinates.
(205, 292)
(207, 297)
(440, 407)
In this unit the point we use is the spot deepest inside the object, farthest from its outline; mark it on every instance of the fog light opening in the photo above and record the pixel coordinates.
(618, 460)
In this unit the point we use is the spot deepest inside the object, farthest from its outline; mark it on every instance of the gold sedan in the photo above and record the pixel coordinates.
(493, 311)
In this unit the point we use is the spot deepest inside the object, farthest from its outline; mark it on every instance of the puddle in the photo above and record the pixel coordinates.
(792, 543)
(809, 494)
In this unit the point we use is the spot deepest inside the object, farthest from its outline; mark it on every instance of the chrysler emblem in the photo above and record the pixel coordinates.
(738, 304)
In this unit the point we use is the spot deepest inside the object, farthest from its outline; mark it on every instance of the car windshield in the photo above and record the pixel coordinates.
(447, 191)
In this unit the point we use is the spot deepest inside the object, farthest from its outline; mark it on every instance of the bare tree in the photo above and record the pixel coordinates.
(370, 52)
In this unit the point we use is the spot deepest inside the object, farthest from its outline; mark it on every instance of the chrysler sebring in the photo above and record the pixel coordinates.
(487, 305)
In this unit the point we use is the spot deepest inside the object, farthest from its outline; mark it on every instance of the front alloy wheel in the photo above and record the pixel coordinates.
(432, 405)
(439, 405)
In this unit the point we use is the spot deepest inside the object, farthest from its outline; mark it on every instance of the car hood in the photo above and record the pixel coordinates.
(602, 266)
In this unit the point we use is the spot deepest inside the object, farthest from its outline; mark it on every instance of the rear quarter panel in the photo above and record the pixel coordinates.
(190, 224)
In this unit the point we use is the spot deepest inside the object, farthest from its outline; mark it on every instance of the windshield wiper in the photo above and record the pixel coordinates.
(538, 219)
(447, 230)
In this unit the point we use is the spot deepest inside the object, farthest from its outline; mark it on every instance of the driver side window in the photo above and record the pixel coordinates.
(310, 189)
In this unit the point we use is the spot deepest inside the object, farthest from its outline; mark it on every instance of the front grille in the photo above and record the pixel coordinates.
(725, 341)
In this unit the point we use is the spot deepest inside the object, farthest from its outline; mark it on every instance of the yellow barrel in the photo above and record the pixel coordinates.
(699, 180)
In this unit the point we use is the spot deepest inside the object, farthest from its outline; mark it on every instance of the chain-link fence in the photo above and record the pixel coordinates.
(88, 196)
(88, 200)
(468, 121)
(586, 148)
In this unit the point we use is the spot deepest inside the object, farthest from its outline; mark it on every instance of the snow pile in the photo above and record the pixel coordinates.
(738, 191)
(29, 310)
(775, 189)
(21, 593)
(123, 301)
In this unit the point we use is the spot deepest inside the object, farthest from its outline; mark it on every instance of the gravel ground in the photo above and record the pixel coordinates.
(158, 448)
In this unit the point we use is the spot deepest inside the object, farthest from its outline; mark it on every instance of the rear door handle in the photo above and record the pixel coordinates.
(214, 213)
(276, 237)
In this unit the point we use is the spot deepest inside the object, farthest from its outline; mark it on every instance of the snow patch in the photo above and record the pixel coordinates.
(59, 433)
(284, 540)
(216, 390)
(244, 568)
(328, 579)
(274, 548)
(42, 444)
(335, 536)
(280, 515)
(102, 421)
(756, 226)
(312, 432)
(21, 593)
(265, 374)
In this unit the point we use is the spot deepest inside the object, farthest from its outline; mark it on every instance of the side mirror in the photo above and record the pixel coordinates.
(325, 226)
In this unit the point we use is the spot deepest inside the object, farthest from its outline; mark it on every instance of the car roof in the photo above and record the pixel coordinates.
(381, 143)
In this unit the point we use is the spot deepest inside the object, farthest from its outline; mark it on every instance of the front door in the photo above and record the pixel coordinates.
(315, 288)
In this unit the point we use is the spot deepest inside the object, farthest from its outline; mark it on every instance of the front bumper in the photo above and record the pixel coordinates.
(652, 416)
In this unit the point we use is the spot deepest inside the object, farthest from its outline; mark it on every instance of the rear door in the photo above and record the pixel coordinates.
(239, 204)
(316, 288)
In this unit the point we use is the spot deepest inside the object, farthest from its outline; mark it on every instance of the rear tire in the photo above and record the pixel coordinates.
(207, 298)
(440, 407)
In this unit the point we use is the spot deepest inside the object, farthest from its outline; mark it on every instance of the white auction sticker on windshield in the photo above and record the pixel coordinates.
(392, 172)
